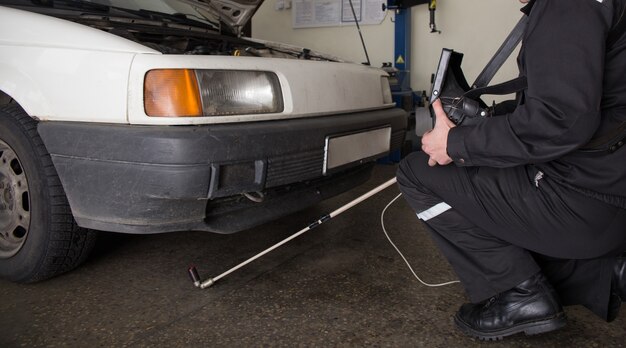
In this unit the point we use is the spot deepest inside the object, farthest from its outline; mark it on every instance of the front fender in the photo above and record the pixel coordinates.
(63, 71)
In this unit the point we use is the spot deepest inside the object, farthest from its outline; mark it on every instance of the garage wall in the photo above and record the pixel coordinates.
(475, 28)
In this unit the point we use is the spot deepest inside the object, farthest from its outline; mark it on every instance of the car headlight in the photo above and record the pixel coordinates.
(192, 93)
(384, 83)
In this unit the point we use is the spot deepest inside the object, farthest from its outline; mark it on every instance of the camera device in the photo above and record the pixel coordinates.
(451, 87)
(461, 102)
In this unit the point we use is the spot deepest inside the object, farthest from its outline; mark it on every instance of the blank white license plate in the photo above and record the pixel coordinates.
(344, 149)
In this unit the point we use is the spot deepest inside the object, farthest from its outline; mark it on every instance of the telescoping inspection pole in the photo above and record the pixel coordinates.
(193, 272)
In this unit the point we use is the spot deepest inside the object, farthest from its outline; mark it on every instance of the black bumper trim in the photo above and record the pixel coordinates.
(148, 179)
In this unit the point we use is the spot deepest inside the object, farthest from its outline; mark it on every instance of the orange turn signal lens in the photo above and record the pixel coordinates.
(172, 93)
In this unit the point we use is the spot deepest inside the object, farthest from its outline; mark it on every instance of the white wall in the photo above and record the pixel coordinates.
(344, 42)
(473, 27)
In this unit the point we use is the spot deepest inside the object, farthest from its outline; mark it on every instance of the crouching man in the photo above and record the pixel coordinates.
(530, 207)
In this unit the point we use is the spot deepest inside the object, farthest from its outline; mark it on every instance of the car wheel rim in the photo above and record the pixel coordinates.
(14, 203)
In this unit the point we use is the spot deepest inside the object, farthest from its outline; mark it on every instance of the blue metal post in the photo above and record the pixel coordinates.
(402, 47)
(402, 94)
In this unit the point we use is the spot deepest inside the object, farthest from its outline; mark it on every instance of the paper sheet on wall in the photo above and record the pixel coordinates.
(325, 13)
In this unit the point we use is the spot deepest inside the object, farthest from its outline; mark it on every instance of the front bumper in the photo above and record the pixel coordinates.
(150, 179)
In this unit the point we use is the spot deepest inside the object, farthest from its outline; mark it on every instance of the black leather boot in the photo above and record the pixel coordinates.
(531, 307)
(618, 288)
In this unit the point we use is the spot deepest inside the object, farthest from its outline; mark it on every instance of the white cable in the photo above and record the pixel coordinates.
(382, 223)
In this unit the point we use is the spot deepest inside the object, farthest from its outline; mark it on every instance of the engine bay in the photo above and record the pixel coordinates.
(172, 38)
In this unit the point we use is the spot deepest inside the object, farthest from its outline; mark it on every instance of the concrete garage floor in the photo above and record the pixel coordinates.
(341, 284)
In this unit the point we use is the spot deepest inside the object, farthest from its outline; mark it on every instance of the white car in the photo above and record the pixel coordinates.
(152, 116)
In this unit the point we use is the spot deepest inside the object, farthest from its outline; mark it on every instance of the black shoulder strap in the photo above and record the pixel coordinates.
(502, 54)
(610, 141)
(514, 38)
(508, 87)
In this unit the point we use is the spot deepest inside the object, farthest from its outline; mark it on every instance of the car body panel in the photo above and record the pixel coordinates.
(125, 171)
(118, 66)
(66, 75)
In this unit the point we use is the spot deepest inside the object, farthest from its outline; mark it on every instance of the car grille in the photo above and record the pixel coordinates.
(293, 168)
(397, 139)
(306, 165)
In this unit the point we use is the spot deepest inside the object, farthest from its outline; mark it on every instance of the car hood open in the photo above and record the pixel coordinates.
(233, 13)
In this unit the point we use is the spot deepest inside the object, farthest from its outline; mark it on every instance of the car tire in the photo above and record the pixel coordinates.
(39, 238)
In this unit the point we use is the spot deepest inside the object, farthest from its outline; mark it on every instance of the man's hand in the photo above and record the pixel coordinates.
(435, 141)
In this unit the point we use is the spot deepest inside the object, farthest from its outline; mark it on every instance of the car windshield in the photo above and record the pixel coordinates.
(174, 11)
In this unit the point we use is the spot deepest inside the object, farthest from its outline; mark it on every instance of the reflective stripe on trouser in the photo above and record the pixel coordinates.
(433, 211)
(501, 220)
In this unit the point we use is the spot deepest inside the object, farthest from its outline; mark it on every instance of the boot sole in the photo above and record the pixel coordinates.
(530, 328)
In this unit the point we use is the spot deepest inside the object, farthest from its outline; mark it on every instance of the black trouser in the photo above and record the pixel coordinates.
(498, 227)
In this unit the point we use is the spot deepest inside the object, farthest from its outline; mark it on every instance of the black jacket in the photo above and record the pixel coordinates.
(576, 91)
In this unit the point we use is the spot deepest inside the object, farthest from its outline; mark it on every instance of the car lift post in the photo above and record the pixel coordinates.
(403, 95)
